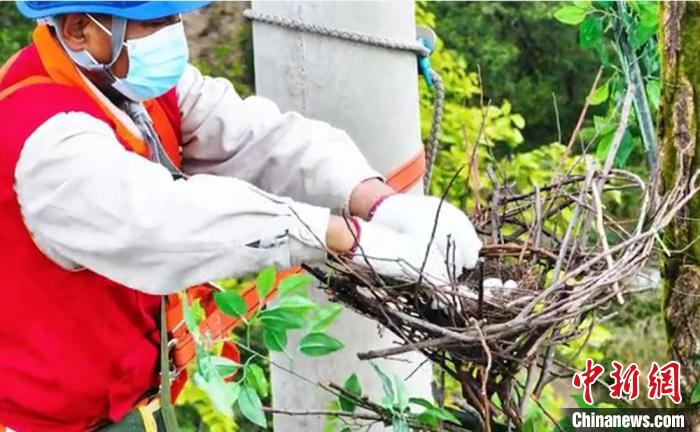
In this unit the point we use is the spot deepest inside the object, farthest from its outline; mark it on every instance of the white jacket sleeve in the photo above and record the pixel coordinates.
(282, 153)
(89, 203)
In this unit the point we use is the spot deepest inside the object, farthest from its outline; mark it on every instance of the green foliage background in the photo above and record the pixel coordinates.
(525, 56)
(15, 31)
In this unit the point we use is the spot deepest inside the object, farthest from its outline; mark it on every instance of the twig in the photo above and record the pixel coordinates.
(324, 413)
(570, 228)
(435, 223)
(547, 414)
(604, 240)
(485, 376)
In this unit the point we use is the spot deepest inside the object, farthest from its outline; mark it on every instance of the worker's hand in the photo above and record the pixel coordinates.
(415, 215)
(398, 255)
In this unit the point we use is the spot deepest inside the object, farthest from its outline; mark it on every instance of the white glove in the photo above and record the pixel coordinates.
(398, 255)
(415, 215)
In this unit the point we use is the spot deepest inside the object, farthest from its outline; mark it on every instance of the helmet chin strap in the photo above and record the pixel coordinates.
(102, 71)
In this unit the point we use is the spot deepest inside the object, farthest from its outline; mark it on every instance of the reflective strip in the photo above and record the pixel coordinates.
(147, 415)
(38, 79)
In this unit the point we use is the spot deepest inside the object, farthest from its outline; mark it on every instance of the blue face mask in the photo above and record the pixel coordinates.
(156, 62)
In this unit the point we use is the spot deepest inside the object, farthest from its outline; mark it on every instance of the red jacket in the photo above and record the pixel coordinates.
(75, 347)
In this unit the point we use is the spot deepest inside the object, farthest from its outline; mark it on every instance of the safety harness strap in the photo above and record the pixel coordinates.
(408, 174)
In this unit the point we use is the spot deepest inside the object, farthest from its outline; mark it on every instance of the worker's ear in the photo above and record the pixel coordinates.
(75, 29)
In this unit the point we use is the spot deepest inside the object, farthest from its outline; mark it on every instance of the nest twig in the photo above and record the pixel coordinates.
(568, 258)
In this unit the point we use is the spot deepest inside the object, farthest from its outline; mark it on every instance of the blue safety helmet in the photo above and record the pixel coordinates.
(130, 10)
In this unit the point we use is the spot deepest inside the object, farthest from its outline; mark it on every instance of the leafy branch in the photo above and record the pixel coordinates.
(628, 30)
(231, 385)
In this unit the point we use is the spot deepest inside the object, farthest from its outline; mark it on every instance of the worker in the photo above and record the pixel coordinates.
(127, 175)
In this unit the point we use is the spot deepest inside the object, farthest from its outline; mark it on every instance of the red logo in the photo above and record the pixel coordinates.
(625, 381)
(665, 381)
(587, 378)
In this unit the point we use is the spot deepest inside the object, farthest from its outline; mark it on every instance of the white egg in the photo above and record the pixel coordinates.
(493, 283)
(510, 284)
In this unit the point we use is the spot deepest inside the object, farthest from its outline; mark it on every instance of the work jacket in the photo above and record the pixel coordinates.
(92, 232)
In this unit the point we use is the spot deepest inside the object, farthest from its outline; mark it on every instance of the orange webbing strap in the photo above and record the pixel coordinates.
(216, 324)
(407, 174)
(166, 132)
(38, 79)
(62, 70)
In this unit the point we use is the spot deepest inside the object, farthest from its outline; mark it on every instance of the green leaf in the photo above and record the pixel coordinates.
(274, 339)
(231, 303)
(203, 363)
(642, 33)
(623, 152)
(421, 402)
(695, 396)
(444, 414)
(224, 366)
(319, 344)
(601, 152)
(352, 386)
(603, 125)
(626, 146)
(400, 425)
(255, 377)
(529, 425)
(387, 402)
(280, 320)
(265, 281)
(571, 15)
(603, 55)
(188, 315)
(293, 284)
(604, 4)
(198, 311)
(434, 411)
(518, 121)
(325, 317)
(401, 394)
(600, 95)
(591, 31)
(648, 14)
(222, 394)
(428, 419)
(386, 382)
(295, 304)
(654, 93)
(331, 420)
(251, 407)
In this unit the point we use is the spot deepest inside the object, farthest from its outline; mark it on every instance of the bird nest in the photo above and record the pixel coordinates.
(567, 252)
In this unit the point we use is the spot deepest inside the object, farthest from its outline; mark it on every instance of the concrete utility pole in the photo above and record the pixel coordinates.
(372, 93)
